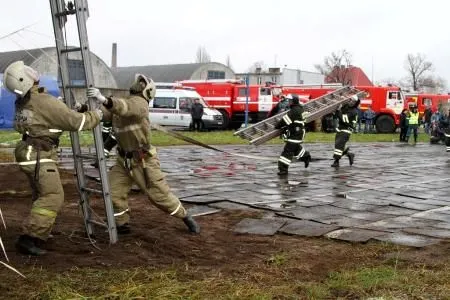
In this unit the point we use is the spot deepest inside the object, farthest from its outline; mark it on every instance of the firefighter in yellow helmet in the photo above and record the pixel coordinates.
(137, 161)
(41, 119)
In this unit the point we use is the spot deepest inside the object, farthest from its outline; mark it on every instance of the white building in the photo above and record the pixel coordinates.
(283, 76)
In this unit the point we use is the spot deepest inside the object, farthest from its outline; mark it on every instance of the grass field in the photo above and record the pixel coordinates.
(8, 137)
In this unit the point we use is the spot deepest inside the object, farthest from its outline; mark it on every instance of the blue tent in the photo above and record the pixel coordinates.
(7, 99)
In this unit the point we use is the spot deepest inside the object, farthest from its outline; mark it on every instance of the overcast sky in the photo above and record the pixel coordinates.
(283, 32)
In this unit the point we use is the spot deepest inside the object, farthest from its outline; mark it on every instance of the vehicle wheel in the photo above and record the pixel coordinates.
(226, 119)
(385, 124)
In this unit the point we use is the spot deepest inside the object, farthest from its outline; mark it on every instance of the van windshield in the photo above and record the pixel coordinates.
(186, 103)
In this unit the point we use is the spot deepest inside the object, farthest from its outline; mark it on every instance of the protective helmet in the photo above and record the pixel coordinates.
(144, 86)
(354, 103)
(293, 98)
(19, 78)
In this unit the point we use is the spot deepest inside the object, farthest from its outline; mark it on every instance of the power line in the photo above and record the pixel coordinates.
(18, 30)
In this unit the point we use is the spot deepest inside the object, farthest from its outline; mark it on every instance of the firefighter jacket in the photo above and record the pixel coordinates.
(293, 124)
(130, 121)
(347, 120)
(41, 119)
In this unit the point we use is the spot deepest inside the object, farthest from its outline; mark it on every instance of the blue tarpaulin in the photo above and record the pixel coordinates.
(7, 99)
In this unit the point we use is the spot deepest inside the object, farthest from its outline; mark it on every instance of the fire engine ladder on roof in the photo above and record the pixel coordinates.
(61, 10)
(263, 131)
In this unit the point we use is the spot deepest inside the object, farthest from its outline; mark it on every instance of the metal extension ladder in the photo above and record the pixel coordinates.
(60, 10)
(263, 131)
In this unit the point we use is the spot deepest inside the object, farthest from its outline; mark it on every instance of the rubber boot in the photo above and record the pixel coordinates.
(351, 158)
(26, 245)
(282, 169)
(124, 229)
(307, 159)
(191, 224)
(335, 163)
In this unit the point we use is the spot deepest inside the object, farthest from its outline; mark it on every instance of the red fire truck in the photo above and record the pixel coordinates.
(230, 97)
(387, 101)
(424, 100)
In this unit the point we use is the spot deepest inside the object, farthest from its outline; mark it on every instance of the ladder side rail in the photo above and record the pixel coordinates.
(63, 70)
(81, 16)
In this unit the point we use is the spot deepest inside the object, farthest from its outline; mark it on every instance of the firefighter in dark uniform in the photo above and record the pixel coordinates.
(109, 140)
(446, 125)
(293, 127)
(347, 119)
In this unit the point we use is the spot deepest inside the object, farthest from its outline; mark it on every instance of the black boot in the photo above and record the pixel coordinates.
(336, 163)
(124, 229)
(191, 224)
(26, 245)
(307, 159)
(351, 158)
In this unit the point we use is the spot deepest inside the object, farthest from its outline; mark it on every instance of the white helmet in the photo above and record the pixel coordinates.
(149, 90)
(19, 78)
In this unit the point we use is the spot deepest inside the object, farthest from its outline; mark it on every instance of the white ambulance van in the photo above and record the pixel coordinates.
(172, 107)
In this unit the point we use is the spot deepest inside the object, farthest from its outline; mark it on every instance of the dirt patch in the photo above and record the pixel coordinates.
(160, 241)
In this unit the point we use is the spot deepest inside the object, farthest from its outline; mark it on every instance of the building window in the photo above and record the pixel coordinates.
(76, 72)
(216, 75)
(274, 79)
(259, 80)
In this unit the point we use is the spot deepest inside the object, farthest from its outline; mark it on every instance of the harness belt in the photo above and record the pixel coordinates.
(40, 143)
(138, 155)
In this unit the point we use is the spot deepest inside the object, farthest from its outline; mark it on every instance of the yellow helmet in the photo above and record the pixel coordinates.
(144, 86)
(19, 78)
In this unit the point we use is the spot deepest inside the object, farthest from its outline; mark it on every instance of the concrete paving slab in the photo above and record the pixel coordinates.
(407, 239)
(305, 214)
(397, 223)
(429, 231)
(259, 226)
(205, 199)
(354, 235)
(306, 228)
(226, 205)
(395, 210)
(342, 221)
(417, 205)
(351, 204)
(202, 210)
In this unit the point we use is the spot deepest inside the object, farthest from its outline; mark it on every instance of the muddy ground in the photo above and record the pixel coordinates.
(160, 241)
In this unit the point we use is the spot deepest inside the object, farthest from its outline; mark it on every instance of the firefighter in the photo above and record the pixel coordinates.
(413, 122)
(293, 128)
(446, 124)
(41, 119)
(137, 160)
(347, 117)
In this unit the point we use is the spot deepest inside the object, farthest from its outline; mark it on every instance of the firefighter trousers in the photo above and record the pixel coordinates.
(290, 151)
(340, 144)
(149, 178)
(447, 139)
(47, 191)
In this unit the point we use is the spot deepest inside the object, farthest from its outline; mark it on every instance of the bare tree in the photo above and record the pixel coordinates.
(257, 65)
(336, 67)
(417, 67)
(202, 56)
(438, 84)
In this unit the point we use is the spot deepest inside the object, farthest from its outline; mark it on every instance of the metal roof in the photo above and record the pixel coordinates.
(159, 73)
(28, 56)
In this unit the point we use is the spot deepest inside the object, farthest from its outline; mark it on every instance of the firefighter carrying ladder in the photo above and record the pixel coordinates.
(263, 131)
(60, 10)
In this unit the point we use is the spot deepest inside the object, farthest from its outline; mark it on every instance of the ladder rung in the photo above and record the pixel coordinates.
(65, 13)
(86, 189)
(71, 50)
(69, 86)
(86, 156)
(98, 223)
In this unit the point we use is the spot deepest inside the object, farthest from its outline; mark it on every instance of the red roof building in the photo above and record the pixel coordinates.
(350, 75)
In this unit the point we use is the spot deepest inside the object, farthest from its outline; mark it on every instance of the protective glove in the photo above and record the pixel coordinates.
(81, 108)
(95, 93)
(99, 113)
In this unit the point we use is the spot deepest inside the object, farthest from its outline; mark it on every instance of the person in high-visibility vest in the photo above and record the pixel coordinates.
(413, 123)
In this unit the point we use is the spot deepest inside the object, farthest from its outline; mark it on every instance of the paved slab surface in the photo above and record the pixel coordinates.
(394, 192)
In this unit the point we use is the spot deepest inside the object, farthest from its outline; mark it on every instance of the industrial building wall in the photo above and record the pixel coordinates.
(290, 76)
(47, 64)
(213, 71)
(311, 77)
